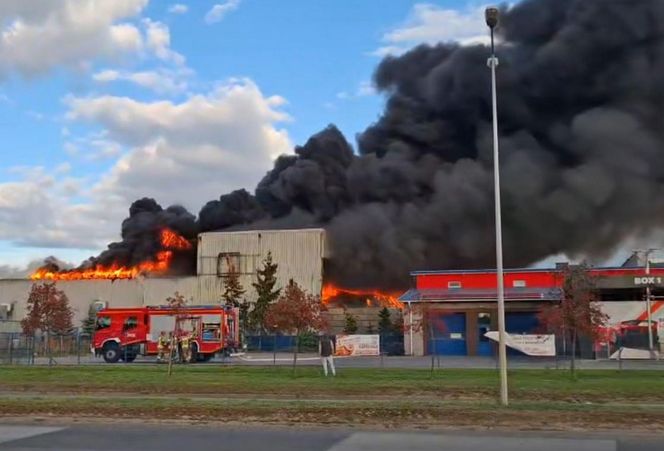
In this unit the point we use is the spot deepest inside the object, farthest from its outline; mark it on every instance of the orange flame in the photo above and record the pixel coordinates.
(169, 240)
(390, 300)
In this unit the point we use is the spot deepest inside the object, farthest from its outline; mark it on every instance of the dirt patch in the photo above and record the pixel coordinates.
(458, 416)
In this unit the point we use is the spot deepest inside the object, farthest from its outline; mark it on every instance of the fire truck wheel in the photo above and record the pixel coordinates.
(203, 357)
(128, 358)
(111, 352)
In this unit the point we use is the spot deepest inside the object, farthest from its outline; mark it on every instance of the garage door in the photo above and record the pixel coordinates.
(520, 323)
(449, 334)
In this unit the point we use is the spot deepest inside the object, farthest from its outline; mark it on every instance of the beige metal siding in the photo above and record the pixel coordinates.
(118, 293)
(299, 254)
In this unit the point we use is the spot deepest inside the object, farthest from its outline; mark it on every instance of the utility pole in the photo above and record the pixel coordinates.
(491, 17)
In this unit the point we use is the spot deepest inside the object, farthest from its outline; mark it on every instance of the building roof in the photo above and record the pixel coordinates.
(522, 270)
(233, 232)
(471, 295)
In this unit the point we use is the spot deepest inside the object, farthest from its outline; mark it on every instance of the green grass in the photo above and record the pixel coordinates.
(533, 385)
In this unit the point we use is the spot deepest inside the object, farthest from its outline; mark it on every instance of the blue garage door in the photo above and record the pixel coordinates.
(449, 335)
(520, 323)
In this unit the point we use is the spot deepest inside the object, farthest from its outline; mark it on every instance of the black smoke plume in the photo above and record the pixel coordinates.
(141, 238)
(581, 111)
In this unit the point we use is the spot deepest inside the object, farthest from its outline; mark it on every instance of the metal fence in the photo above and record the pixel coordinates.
(390, 344)
(17, 348)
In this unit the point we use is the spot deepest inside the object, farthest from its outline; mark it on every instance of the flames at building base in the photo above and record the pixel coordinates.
(332, 294)
(170, 241)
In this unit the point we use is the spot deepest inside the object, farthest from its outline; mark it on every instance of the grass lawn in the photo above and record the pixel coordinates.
(526, 385)
(540, 399)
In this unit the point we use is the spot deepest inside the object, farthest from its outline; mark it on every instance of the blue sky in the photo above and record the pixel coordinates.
(104, 102)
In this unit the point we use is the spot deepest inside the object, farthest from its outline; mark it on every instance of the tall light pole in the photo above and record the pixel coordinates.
(648, 304)
(491, 16)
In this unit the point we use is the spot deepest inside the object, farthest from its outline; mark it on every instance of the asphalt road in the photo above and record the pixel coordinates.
(116, 437)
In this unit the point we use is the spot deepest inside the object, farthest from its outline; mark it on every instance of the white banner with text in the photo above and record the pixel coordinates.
(358, 345)
(536, 345)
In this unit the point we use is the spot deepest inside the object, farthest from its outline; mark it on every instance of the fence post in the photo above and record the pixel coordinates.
(78, 347)
(274, 350)
(11, 347)
(620, 364)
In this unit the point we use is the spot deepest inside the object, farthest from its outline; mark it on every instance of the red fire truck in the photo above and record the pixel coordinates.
(124, 333)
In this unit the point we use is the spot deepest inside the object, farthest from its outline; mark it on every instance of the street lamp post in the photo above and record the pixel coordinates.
(648, 305)
(491, 16)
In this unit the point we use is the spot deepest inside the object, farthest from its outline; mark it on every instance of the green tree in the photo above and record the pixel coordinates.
(384, 321)
(233, 290)
(350, 326)
(267, 294)
(244, 318)
(88, 323)
(397, 324)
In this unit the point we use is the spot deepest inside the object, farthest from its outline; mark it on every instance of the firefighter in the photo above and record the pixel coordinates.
(162, 346)
(185, 344)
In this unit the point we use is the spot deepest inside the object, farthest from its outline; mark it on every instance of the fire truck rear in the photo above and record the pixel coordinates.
(125, 333)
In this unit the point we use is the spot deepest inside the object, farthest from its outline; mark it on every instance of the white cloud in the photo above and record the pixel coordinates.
(161, 81)
(37, 36)
(93, 147)
(158, 40)
(178, 8)
(364, 89)
(220, 10)
(432, 24)
(187, 152)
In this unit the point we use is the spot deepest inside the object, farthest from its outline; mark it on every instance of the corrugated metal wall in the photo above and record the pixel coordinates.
(299, 254)
(118, 293)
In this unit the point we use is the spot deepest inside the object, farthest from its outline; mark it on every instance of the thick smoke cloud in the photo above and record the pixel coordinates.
(141, 238)
(581, 102)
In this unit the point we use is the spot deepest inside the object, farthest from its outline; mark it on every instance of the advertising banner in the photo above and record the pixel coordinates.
(358, 345)
(536, 345)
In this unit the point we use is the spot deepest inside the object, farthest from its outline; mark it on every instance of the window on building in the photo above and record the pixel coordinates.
(227, 263)
(454, 284)
(234, 262)
(519, 283)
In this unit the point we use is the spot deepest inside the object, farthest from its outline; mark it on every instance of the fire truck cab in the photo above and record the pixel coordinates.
(124, 333)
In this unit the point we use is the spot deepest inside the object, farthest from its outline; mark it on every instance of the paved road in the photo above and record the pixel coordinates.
(116, 437)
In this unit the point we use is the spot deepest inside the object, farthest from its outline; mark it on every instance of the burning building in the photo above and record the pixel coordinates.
(301, 256)
(580, 130)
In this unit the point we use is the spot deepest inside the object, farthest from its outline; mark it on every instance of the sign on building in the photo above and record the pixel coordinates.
(535, 345)
(358, 345)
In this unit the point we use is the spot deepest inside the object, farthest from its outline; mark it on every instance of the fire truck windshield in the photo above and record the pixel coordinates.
(103, 322)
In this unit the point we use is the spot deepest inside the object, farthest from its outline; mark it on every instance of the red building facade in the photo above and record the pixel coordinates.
(460, 306)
